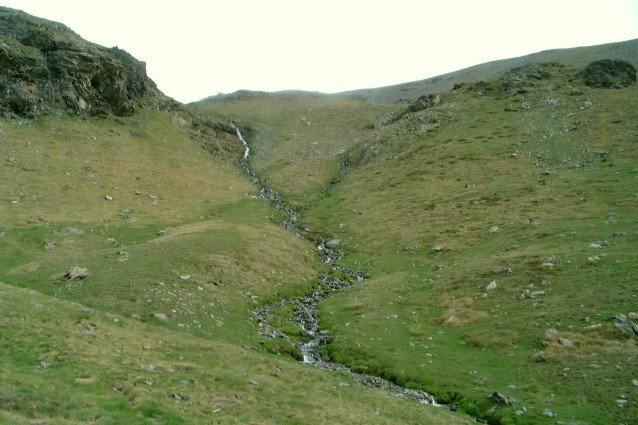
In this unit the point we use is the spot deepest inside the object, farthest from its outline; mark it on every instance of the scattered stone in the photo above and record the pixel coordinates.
(546, 335)
(491, 286)
(595, 245)
(635, 382)
(162, 232)
(160, 316)
(76, 272)
(547, 266)
(45, 364)
(501, 399)
(253, 382)
(333, 244)
(74, 231)
(620, 234)
(139, 192)
(493, 229)
(108, 197)
(502, 270)
(49, 244)
(632, 315)
(185, 276)
(593, 260)
(438, 248)
(536, 294)
(549, 413)
(566, 342)
(626, 326)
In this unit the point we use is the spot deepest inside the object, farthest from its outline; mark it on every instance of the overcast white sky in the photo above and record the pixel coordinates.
(197, 48)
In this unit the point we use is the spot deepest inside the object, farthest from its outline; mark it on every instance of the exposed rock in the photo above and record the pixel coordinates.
(626, 326)
(334, 243)
(491, 286)
(76, 272)
(47, 68)
(502, 270)
(424, 102)
(608, 73)
(501, 399)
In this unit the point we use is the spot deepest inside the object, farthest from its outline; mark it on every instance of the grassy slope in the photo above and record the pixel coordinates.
(298, 137)
(526, 182)
(553, 177)
(91, 349)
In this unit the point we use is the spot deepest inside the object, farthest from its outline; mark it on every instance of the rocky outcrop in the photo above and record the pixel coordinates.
(608, 73)
(46, 68)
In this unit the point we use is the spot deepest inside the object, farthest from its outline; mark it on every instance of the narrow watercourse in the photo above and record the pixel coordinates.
(305, 313)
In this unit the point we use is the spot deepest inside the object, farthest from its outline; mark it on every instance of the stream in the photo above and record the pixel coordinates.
(305, 313)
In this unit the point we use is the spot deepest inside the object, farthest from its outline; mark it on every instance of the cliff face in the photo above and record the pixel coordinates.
(46, 68)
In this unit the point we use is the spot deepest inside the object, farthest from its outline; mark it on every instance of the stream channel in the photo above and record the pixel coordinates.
(305, 314)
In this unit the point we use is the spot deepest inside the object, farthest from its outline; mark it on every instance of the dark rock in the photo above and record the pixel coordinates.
(47, 68)
(608, 73)
(501, 399)
(424, 102)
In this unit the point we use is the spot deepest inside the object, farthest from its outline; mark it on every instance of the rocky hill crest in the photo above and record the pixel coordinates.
(46, 68)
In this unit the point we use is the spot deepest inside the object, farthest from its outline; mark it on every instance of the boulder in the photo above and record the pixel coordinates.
(76, 272)
(608, 73)
(626, 326)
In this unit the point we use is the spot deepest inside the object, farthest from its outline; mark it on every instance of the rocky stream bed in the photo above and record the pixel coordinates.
(305, 313)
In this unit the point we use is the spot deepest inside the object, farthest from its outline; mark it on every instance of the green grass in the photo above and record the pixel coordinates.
(424, 317)
(498, 181)
(95, 349)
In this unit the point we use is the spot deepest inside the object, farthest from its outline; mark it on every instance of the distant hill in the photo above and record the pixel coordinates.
(579, 56)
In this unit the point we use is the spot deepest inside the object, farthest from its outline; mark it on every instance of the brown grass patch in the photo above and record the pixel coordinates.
(488, 338)
(586, 346)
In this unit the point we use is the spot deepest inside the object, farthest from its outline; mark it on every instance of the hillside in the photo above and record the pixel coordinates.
(578, 57)
(478, 244)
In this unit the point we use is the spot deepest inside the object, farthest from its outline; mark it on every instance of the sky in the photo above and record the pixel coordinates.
(197, 48)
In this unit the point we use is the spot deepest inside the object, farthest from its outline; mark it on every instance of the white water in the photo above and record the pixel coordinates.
(242, 140)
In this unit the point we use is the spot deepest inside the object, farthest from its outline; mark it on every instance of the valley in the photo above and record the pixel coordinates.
(295, 257)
